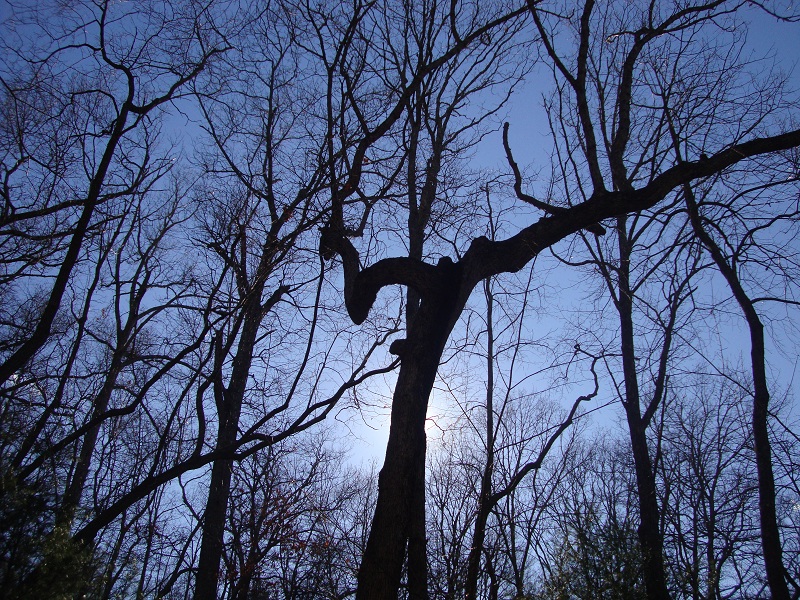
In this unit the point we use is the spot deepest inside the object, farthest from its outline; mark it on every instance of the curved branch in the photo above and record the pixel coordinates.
(361, 287)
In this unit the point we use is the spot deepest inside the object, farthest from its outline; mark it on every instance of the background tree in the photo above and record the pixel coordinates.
(595, 549)
(770, 535)
(253, 118)
(90, 198)
(709, 491)
(145, 347)
(630, 70)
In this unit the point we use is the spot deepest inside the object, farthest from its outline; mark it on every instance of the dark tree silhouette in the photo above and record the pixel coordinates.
(444, 288)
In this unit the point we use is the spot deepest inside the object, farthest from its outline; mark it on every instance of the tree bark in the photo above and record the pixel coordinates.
(208, 572)
(417, 540)
(418, 212)
(229, 408)
(381, 568)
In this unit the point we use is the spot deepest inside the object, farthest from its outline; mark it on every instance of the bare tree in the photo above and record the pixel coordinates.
(742, 235)
(650, 284)
(277, 144)
(648, 64)
(451, 506)
(770, 535)
(119, 394)
(80, 96)
(520, 430)
(709, 490)
(594, 550)
(168, 325)
(445, 287)
(90, 200)
(438, 131)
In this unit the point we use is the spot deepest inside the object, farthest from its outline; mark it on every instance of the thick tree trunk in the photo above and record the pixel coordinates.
(445, 292)
(211, 546)
(216, 510)
(229, 408)
(398, 483)
(395, 525)
(417, 540)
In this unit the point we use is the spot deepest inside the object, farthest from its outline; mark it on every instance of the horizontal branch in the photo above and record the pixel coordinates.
(485, 258)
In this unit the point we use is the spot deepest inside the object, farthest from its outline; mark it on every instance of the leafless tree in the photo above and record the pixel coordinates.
(91, 200)
(171, 320)
(438, 131)
(81, 93)
(446, 287)
(729, 268)
(277, 144)
(709, 491)
(593, 547)
(650, 64)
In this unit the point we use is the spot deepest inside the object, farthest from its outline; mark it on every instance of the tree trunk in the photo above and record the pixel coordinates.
(213, 530)
(478, 538)
(417, 541)
(381, 567)
(229, 408)
(401, 481)
(770, 535)
(649, 532)
(74, 491)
